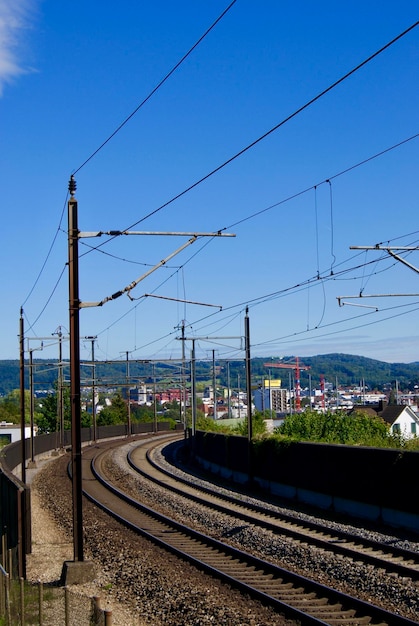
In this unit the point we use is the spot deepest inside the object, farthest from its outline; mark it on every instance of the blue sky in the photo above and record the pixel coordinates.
(69, 78)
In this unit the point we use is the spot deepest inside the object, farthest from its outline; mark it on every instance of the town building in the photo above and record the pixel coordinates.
(9, 433)
(402, 420)
(271, 396)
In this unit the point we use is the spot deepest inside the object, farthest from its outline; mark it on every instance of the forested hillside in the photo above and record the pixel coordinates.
(346, 369)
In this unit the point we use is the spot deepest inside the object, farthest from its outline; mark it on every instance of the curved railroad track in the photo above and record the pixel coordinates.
(389, 557)
(295, 596)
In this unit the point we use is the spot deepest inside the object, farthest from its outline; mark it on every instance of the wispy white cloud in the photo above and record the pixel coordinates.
(15, 18)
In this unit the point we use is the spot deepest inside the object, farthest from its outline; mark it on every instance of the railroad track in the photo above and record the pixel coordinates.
(391, 558)
(295, 596)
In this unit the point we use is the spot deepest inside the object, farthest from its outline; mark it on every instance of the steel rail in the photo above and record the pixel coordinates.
(295, 596)
(391, 558)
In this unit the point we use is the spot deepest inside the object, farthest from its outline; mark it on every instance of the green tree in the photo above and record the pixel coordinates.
(211, 425)
(48, 421)
(392, 397)
(336, 427)
(48, 418)
(117, 413)
(142, 413)
(172, 410)
(10, 407)
(258, 424)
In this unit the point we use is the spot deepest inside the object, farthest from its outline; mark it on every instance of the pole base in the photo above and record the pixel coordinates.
(77, 572)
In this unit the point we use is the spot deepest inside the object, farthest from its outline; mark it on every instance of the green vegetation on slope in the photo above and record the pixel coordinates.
(359, 429)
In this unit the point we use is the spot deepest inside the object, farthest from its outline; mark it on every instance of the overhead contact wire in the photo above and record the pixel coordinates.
(156, 88)
(277, 126)
(48, 255)
(304, 191)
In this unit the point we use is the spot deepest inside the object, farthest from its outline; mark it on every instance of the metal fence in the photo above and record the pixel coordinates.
(18, 603)
(23, 604)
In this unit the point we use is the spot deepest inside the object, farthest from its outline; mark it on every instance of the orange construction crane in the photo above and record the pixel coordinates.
(297, 367)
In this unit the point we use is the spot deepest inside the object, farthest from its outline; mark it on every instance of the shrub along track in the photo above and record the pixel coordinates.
(296, 596)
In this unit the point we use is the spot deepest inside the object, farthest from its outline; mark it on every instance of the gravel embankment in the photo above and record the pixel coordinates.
(145, 585)
(142, 584)
(367, 582)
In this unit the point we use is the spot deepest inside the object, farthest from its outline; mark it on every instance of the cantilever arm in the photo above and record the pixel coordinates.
(134, 283)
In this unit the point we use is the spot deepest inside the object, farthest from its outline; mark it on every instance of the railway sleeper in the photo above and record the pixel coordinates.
(356, 621)
(305, 601)
(333, 612)
(231, 571)
(313, 601)
(338, 619)
(271, 588)
(205, 554)
(238, 567)
(225, 558)
(293, 591)
(332, 609)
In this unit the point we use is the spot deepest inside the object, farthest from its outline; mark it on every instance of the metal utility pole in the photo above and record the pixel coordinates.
(290, 388)
(60, 388)
(74, 313)
(154, 399)
(193, 370)
(31, 402)
(249, 397)
(183, 382)
(23, 529)
(337, 393)
(129, 396)
(238, 394)
(262, 388)
(214, 381)
(310, 390)
(32, 463)
(22, 395)
(228, 390)
(93, 339)
(193, 387)
(248, 376)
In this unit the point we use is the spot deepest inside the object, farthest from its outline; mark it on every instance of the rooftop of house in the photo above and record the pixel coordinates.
(392, 412)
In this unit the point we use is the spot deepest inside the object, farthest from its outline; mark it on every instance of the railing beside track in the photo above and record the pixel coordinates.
(24, 603)
(15, 506)
(15, 534)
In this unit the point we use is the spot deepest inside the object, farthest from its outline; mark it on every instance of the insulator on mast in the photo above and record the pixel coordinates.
(72, 185)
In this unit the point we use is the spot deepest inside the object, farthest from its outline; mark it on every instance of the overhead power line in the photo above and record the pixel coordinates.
(47, 257)
(185, 56)
(371, 57)
(277, 126)
(323, 182)
(306, 283)
(156, 88)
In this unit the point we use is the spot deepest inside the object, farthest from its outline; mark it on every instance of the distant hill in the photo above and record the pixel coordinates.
(349, 369)
(345, 368)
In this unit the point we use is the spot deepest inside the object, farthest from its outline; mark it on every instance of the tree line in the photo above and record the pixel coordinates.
(347, 370)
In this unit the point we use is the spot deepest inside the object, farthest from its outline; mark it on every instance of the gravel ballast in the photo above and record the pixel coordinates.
(145, 585)
(140, 583)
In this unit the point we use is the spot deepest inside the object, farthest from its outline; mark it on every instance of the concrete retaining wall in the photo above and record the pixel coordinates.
(369, 483)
